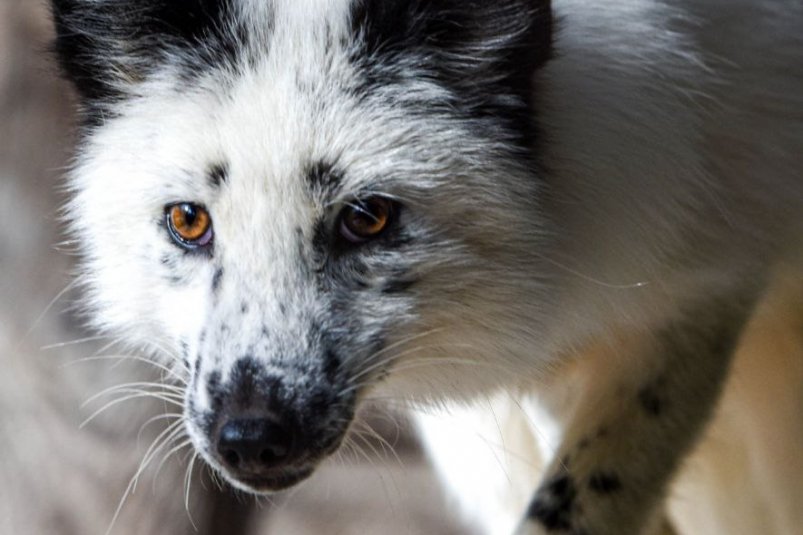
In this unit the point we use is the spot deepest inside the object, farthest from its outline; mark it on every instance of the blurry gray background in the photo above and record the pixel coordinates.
(57, 477)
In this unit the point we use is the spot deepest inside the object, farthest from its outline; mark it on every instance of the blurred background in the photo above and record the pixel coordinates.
(59, 477)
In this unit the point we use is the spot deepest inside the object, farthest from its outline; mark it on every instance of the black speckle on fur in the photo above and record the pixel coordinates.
(604, 483)
(244, 307)
(554, 503)
(177, 280)
(218, 174)
(172, 271)
(185, 350)
(484, 53)
(651, 401)
(217, 278)
(214, 389)
(323, 178)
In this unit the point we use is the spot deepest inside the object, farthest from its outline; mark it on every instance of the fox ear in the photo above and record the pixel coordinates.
(485, 52)
(107, 46)
(470, 33)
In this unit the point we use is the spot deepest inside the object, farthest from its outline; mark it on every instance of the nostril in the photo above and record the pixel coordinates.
(272, 454)
(252, 445)
(232, 458)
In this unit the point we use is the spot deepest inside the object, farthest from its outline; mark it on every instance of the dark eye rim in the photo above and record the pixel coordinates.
(204, 242)
(348, 235)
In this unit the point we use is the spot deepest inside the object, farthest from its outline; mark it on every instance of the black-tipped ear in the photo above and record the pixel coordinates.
(485, 51)
(107, 45)
(461, 34)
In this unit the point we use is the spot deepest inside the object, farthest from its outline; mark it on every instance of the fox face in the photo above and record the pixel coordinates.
(301, 203)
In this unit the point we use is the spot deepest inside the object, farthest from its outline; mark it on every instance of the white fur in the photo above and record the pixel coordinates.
(657, 107)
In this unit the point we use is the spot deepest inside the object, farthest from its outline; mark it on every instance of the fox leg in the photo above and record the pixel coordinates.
(642, 407)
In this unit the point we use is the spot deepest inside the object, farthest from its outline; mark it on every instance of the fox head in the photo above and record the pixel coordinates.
(299, 203)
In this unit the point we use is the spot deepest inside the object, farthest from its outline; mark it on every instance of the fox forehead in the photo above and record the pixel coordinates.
(298, 107)
(316, 106)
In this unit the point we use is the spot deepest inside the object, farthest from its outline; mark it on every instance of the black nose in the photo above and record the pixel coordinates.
(250, 446)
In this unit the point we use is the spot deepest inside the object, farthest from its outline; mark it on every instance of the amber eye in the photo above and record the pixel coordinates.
(364, 220)
(190, 225)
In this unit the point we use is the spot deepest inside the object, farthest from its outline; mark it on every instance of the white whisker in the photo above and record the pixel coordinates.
(158, 417)
(134, 394)
(187, 483)
(382, 441)
(175, 391)
(47, 309)
(170, 453)
(136, 358)
(78, 341)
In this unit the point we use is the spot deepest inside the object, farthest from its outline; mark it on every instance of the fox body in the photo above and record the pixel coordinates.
(568, 208)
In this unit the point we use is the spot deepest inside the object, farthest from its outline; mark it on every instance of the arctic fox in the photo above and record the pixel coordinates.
(566, 208)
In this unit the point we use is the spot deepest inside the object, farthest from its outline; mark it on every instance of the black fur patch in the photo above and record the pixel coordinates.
(554, 503)
(484, 53)
(331, 366)
(104, 45)
(321, 241)
(244, 380)
(604, 482)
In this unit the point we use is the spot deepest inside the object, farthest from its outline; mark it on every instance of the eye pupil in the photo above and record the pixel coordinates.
(188, 214)
(367, 222)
